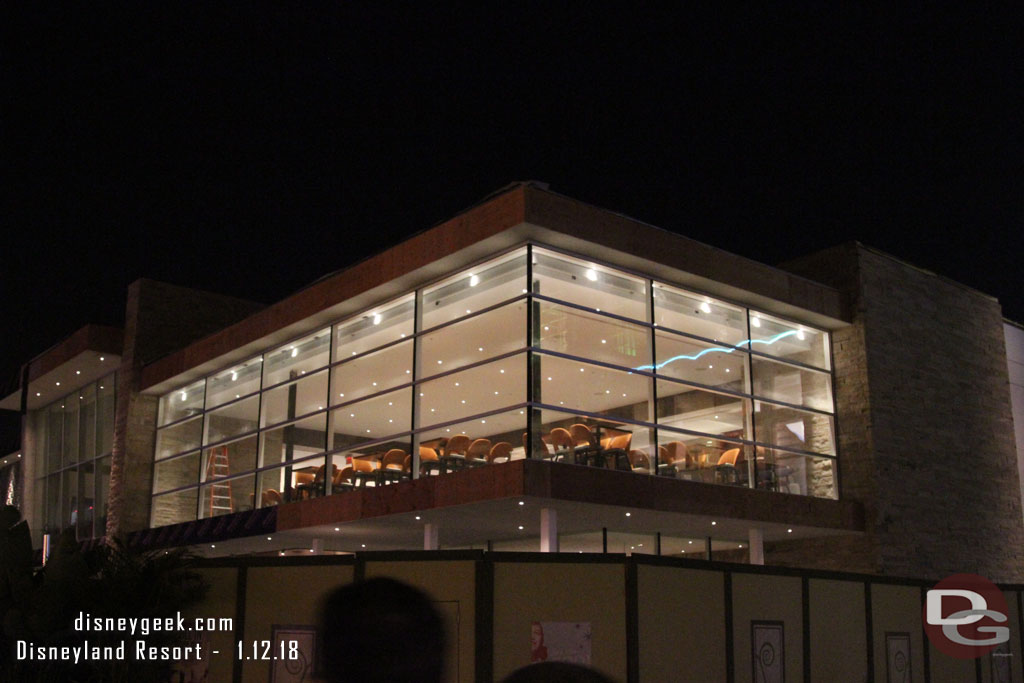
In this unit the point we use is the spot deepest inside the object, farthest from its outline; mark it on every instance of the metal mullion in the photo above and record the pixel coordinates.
(95, 456)
(702, 435)
(350, 359)
(329, 418)
(533, 421)
(417, 352)
(835, 409)
(166, 426)
(586, 413)
(794, 406)
(752, 462)
(468, 366)
(290, 380)
(786, 361)
(794, 451)
(360, 399)
(588, 309)
(592, 361)
(652, 411)
(474, 314)
(477, 416)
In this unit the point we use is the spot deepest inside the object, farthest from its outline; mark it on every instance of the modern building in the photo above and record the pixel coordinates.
(537, 374)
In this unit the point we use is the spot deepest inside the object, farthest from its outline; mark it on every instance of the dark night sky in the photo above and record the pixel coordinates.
(251, 151)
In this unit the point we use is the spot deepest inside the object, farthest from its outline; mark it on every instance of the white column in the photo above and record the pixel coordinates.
(756, 546)
(430, 536)
(548, 530)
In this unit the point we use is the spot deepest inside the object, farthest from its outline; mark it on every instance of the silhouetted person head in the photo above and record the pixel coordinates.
(381, 630)
(556, 672)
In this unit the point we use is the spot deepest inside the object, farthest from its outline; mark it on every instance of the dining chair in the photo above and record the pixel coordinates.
(562, 442)
(454, 456)
(392, 465)
(500, 451)
(546, 455)
(270, 497)
(476, 453)
(640, 462)
(673, 457)
(430, 463)
(364, 471)
(344, 480)
(618, 450)
(726, 471)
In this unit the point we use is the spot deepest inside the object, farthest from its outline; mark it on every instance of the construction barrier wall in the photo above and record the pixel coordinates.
(639, 618)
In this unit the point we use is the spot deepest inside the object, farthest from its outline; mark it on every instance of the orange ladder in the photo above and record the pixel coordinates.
(217, 467)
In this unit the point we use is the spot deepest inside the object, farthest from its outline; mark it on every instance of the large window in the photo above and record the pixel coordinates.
(535, 353)
(75, 437)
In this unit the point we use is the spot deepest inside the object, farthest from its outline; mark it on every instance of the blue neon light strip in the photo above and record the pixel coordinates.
(720, 349)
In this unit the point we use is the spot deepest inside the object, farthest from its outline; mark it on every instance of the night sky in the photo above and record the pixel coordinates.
(250, 150)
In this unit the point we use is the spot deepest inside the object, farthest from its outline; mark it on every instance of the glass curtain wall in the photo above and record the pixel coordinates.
(75, 436)
(535, 353)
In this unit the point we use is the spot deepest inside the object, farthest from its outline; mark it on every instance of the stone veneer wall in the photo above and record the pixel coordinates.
(926, 434)
(159, 318)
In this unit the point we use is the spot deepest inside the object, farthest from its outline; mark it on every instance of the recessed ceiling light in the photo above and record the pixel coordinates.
(78, 372)
(604, 341)
(629, 514)
(337, 529)
(101, 358)
(268, 538)
(213, 546)
(38, 394)
(690, 542)
(522, 503)
(713, 523)
(417, 517)
(364, 545)
(789, 531)
(520, 527)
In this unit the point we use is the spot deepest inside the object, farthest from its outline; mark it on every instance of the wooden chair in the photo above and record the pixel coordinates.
(640, 462)
(476, 454)
(454, 456)
(500, 451)
(303, 484)
(563, 444)
(618, 450)
(430, 463)
(583, 439)
(393, 465)
(364, 471)
(547, 455)
(270, 497)
(344, 480)
(673, 457)
(726, 471)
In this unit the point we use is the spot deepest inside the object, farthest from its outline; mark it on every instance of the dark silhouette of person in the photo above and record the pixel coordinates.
(556, 672)
(380, 630)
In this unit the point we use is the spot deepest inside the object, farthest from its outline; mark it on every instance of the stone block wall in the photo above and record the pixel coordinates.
(925, 429)
(159, 318)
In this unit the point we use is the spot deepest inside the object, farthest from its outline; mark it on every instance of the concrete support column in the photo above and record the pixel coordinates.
(548, 530)
(756, 546)
(430, 536)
